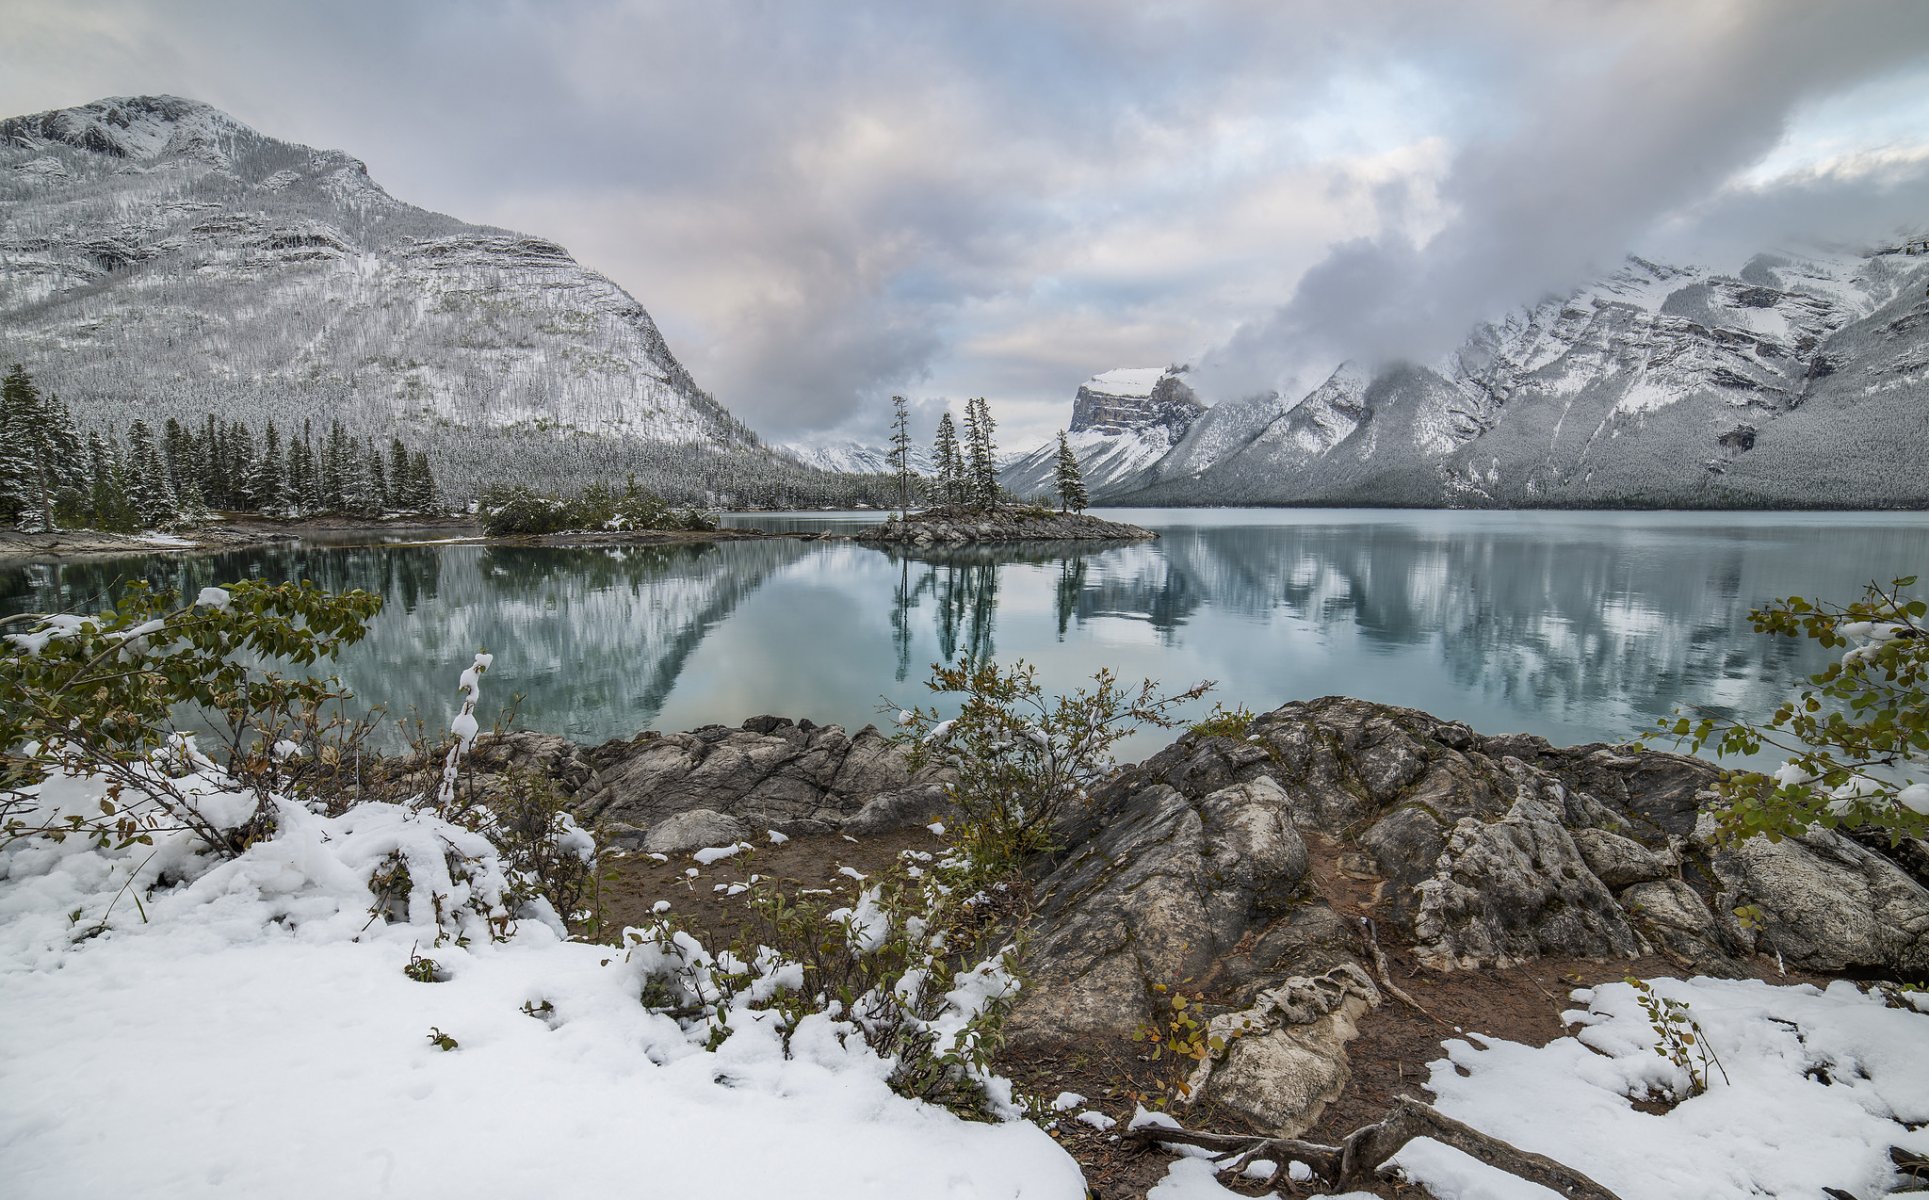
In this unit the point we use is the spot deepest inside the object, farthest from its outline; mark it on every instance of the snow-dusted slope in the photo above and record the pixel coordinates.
(158, 256)
(1123, 421)
(855, 458)
(1801, 379)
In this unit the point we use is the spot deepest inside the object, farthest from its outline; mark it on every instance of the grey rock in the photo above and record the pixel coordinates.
(1009, 523)
(1506, 891)
(1286, 1052)
(1620, 861)
(621, 836)
(901, 809)
(1163, 894)
(1826, 903)
(694, 830)
(774, 773)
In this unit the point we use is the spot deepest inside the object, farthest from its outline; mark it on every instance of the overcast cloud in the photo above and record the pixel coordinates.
(826, 204)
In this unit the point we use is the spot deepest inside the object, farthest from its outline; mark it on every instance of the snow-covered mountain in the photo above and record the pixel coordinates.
(1803, 379)
(1123, 421)
(159, 257)
(855, 458)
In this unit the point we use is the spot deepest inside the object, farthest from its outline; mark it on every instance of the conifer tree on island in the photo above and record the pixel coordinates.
(981, 460)
(901, 451)
(1071, 486)
(950, 462)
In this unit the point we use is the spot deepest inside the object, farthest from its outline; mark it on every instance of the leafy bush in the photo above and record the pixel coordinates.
(1024, 759)
(97, 695)
(1854, 735)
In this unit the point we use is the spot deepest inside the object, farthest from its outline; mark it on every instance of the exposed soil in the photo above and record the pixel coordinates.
(701, 904)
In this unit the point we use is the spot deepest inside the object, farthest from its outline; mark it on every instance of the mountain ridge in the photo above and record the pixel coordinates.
(1654, 386)
(162, 258)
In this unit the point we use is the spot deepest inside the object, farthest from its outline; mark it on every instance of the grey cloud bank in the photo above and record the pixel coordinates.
(827, 204)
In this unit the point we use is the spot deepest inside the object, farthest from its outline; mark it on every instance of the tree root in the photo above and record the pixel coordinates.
(1386, 975)
(1354, 1162)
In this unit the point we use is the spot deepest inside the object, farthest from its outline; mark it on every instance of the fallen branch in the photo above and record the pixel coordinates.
(1356, 1161)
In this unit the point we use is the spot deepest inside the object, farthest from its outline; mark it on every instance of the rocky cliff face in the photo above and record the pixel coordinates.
(159, 256)
(1122, 422)
(1799, 380)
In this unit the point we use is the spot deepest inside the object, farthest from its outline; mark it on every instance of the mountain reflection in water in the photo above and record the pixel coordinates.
(1576, 626)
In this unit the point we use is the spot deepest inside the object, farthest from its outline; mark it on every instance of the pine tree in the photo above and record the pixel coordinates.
(268, 479)
(29, 472)
(107, 506)
(981, 458)
(949, 462)
(901, 451)
(398, 475)
(1071, 486)
(423, 483)
(378, 479)
(148, 492)
(337, 469)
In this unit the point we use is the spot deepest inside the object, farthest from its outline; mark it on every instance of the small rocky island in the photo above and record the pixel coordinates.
(961, 524)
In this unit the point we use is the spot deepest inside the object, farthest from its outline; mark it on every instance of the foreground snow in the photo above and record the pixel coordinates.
(1819, 1086)
(250, 1032)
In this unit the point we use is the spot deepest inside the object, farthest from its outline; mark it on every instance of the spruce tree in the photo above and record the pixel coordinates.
(981, 458)
(267, 479)
(398, 475)
(147, 487)
(1071, 486)
(423, 483)
(950, 463)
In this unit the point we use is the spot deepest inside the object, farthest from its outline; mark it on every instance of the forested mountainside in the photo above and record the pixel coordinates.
(160, 259)
(1801, 380)
(1123, 421)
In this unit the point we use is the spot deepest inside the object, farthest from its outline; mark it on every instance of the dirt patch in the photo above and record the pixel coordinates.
(703, 903)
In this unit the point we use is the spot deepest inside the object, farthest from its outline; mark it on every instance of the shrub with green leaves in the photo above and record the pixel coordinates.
(1857, 737)
(98, 695)
(1023, 758)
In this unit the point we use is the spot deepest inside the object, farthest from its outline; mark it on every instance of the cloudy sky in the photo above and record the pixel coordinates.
(826, 203)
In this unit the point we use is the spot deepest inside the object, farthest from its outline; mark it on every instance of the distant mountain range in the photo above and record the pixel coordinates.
(159, 258)
(1802, 380)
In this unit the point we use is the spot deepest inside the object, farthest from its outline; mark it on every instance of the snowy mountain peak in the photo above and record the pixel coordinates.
(156, 253)
(1123, 421)
(129, 127)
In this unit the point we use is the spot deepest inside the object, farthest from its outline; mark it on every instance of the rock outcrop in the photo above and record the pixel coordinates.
(953, 526)
(1264, 871)
(1243, 868)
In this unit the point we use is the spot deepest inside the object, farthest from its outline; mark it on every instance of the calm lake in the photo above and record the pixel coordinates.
(1576, 626)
